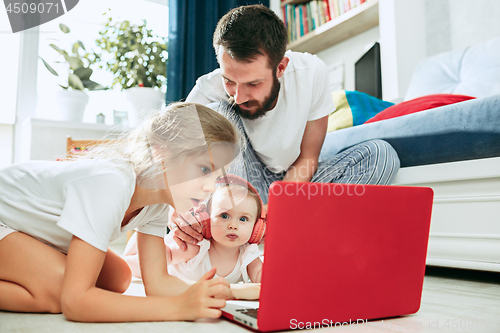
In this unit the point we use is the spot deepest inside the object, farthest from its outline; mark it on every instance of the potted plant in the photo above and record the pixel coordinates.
(73, 99)
(137, 58)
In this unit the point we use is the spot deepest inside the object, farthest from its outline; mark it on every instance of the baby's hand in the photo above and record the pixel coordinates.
(250, 291)
(205, 298)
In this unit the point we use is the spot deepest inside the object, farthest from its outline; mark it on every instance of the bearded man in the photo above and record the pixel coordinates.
(280, 100)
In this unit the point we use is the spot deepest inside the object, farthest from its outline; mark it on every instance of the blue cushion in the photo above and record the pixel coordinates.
(353, 108)
(456, 132)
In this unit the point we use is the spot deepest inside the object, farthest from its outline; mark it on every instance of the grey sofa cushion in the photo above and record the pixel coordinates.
(461, 131)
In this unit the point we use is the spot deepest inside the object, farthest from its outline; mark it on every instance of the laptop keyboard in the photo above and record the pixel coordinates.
(249, 312)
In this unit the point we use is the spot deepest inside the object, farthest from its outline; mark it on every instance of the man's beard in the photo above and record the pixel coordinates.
(262, 109)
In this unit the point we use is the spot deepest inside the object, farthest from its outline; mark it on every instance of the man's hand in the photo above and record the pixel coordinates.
(185, 229)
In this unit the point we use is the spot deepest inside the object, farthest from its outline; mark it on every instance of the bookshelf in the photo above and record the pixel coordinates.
(340, 28)
(293, 2)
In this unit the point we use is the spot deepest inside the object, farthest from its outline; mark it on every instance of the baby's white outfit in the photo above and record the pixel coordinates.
(200, 264)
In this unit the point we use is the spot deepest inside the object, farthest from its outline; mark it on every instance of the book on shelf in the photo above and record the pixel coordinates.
(321, 20)
(302, 18)
(309, 17)
(314, 14)
(305, 20)
(299, 20)
(347, 5)
(334, 8)
(284, 15)
(323, 13)
(341, 6)
(326, 7)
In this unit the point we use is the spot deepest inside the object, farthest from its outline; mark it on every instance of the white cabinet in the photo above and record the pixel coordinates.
(43, 139)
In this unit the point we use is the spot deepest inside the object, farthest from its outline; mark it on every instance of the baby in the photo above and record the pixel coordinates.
(232, 227)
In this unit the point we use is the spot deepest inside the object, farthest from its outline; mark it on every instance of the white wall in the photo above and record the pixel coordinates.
(8, 87)
(437, 22)
(454, 24)
(402, 44)
(348, 52)
(6, 135)
(9, 58)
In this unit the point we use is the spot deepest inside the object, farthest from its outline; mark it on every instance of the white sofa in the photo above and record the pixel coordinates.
(465, 225)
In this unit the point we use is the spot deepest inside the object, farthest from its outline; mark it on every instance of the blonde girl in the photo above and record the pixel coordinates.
(233, 225)
(58, 218)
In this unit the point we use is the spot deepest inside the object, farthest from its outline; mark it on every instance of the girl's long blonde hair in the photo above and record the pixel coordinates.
(179, 130)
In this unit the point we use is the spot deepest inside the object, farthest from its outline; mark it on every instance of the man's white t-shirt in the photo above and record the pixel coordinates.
(52, 201)
(304, 96)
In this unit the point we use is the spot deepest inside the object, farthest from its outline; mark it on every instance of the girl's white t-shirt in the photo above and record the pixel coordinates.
(304, 96)
(52, 201)
(200, 264)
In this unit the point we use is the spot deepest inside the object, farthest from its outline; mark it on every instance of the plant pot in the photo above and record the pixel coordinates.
(143, 101)
(71, 105)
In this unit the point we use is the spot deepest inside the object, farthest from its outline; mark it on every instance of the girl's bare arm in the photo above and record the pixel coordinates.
(82, 301)
(153, 264)
(174, 254)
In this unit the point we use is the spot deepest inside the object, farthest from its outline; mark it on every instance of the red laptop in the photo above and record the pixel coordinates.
(337, 253)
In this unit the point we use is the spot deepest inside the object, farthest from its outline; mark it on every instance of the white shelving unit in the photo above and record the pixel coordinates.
(44, 139)
(341, 28)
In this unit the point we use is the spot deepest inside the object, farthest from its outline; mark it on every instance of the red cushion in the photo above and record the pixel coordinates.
(418, 104)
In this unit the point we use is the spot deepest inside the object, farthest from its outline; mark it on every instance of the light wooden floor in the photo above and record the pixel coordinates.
(453, 301)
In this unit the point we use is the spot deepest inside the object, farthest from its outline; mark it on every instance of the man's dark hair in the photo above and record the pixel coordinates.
(249, 31)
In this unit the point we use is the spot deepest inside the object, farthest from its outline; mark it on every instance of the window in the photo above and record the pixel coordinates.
(85, 21)
(9, 58)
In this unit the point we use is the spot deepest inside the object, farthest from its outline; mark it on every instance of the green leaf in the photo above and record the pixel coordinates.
(49, 67)
(75, 48)
(91, 85)
(75, 63)
(64, 28)
(79, 42)
(137, 53)
(75, 82)
(55, 47)
(83, 73)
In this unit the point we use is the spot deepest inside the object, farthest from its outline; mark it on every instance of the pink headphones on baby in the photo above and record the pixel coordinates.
(203, 217)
